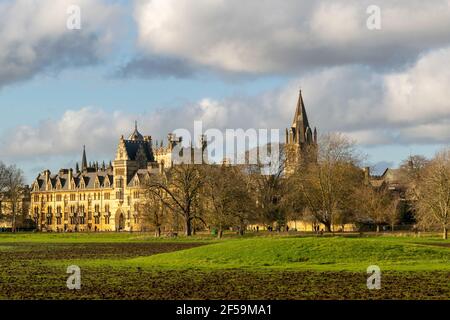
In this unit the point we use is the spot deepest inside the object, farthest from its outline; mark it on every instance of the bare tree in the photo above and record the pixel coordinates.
(327, 185)
(151, 208)
(411, 169)
(393, 212)
(270, 187)
(179, 189)
(375, 205)
(227, 197)
(13, 188)
(432, 193)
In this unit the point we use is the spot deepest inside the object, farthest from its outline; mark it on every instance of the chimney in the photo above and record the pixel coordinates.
(69, 178)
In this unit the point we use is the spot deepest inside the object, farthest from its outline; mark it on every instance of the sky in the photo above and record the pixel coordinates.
(377, 71)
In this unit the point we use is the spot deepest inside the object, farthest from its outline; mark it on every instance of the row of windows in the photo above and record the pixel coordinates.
(73, 186)
(73, 197)
(82, 220)
(72, 209)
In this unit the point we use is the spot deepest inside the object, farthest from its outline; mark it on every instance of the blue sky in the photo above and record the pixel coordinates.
(169, 63)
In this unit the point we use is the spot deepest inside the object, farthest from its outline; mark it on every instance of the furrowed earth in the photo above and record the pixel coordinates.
(263, 266)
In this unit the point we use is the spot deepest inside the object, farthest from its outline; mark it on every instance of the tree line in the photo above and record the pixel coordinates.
(331, 190)
(326, 186)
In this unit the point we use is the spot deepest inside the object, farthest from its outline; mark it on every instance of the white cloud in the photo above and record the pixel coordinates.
(409, 106)
(289, 36)
(34, 36)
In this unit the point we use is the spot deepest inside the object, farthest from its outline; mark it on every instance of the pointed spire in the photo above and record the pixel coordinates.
(77, 168)
(84, 164)
(300, 113)
(300, 122)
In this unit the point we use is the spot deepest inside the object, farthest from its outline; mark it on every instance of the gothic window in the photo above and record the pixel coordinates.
(96, 219)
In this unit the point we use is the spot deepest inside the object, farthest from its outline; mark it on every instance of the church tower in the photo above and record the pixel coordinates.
(301, 141)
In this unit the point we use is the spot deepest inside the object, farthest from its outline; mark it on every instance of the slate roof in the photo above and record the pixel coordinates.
(89, 179)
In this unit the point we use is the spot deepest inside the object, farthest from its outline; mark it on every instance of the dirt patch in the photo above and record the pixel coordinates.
(43, 283)
(25, 275)
(58, 251)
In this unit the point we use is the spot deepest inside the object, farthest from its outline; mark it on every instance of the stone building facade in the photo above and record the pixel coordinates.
(100, 198)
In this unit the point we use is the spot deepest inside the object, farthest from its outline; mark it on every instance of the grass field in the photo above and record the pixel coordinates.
(263, 266)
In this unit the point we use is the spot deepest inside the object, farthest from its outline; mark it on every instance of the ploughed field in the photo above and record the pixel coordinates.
(263, 266)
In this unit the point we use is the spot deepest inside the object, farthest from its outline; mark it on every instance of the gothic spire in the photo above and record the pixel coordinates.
(300, 118)
(84, 164)
(300, 124)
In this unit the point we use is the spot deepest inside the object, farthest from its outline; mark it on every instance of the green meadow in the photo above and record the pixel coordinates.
(257, 266)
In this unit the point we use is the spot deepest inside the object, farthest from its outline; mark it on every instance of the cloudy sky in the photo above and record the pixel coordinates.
(230, 63)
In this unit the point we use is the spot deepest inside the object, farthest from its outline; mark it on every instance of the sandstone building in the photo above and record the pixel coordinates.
(100, 198)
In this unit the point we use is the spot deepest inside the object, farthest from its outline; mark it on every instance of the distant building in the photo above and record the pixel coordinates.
(99, 197)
